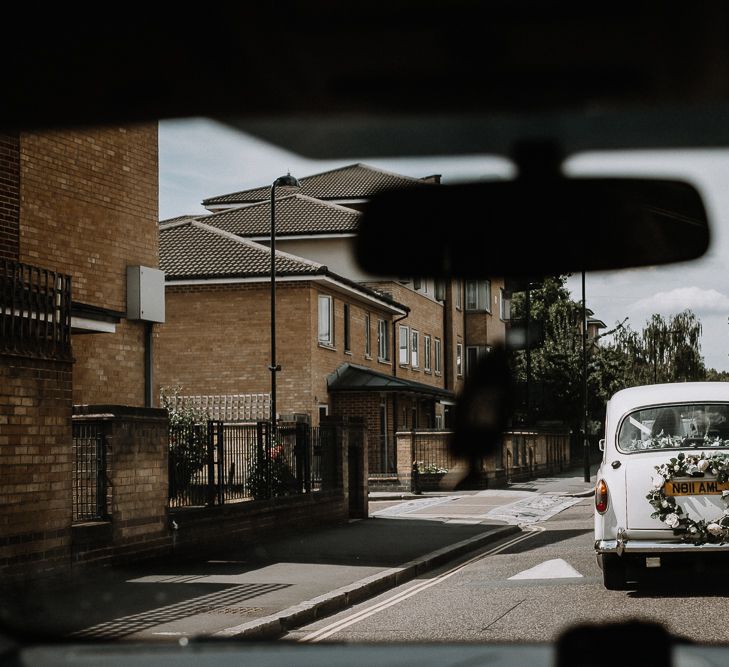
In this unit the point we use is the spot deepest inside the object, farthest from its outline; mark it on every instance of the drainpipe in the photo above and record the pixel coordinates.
(395, 362)
(148, 397)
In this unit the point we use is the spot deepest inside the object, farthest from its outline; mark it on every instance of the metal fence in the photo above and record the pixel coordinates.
(214, 462)
(431, 452)
(35, 311)
(90, 471)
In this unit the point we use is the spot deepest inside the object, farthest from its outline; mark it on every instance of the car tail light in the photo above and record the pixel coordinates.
(601, 496)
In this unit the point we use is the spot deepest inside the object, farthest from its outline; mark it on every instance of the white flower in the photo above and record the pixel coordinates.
(714, 471)
(692, 469)
(714, 529)
(658, 481)
(672, 520)
(693, 529)
(664, 503)
(702, 465)
(677, 467)
(725, 493)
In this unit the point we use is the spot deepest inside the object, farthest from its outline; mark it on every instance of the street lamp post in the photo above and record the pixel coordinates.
(290, 182)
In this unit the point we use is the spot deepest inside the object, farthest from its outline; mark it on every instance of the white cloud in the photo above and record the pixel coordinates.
(700, 301)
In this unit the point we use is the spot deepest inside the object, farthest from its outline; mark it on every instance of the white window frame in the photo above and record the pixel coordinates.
(426, 354)
(459, 360)
(503, 314)
(414, 348)
(438, 356)
(479, 298)
(326, 337)
(403, 345)
(383, 340)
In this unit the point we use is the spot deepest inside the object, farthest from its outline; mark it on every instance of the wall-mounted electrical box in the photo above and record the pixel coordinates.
(145, 294)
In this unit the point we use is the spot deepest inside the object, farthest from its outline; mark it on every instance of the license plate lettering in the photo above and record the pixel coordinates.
(694, 488)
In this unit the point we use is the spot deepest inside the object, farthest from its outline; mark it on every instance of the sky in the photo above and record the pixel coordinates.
(200, 158)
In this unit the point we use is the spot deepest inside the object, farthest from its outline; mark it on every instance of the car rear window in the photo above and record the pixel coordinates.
(675, 426)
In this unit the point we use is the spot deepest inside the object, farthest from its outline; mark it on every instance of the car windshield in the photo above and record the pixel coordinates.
(219, 427)
(675, 427)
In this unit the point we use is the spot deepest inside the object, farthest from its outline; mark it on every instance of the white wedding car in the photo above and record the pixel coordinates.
(662, 488)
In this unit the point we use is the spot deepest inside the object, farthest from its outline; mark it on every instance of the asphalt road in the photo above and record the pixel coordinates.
(527, 588)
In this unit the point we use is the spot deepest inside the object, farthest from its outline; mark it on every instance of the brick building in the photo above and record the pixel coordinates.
(77, 207)
(393, 350)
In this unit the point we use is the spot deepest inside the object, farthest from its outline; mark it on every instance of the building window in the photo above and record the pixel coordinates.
(414, 349)
(439, 422)
(458, 289)
(326, 320)
(474, 353)
(323, 412)
(367, 336)
(437, 354)
(383, 341)
(478, 295)
(504, 306)
(439, 290)
(459, 359)
(403, 339)
(416, 283)
(426, 353)
(347, 346)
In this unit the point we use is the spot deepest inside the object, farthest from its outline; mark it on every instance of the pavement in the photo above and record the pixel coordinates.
(261, 591)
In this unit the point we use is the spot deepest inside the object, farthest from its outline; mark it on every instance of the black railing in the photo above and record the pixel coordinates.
(90, 471)
(432, 453)
(35, 311)
(214, 462)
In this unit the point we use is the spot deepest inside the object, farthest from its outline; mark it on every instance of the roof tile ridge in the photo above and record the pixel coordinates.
(254, 245)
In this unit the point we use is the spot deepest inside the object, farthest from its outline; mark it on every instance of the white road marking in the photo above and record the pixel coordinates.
(549, 569)
(341, 624)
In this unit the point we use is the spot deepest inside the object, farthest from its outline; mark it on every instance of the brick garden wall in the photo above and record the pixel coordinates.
(203, 530)
(138, 473)
(35, 466)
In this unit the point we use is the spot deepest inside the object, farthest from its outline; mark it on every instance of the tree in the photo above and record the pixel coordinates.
(665, 351)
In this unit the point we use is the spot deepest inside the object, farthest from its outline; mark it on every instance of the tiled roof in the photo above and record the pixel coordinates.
(195, 250)
(295, 215)
(182, 218)
(355, 181)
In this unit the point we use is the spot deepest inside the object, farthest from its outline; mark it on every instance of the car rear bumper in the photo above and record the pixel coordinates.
(655, 546)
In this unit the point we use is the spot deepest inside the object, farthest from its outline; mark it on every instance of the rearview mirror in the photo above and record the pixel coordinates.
(531, 226)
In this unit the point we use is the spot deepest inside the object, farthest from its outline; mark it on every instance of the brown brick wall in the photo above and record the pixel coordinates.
(89, 206)
(35, 466)
(9, 196)
(325, 360)
(109, 368)
(484, 328)
(216, 340)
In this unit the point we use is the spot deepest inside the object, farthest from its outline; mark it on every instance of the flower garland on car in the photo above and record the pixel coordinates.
(668, 511)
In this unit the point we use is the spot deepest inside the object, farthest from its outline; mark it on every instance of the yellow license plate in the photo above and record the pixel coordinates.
(694, 487)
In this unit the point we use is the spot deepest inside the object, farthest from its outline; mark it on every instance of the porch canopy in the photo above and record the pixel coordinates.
(350, 377)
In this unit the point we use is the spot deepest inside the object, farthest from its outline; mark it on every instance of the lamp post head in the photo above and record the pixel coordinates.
(287, 181)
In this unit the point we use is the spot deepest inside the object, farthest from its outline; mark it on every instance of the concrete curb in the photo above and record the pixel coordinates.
(273, 626)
